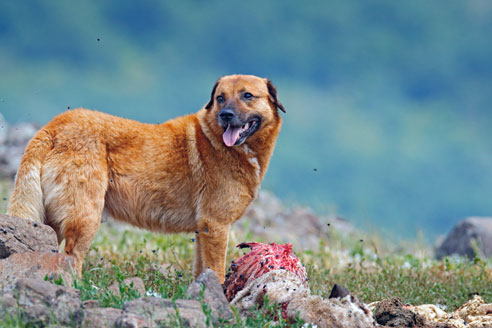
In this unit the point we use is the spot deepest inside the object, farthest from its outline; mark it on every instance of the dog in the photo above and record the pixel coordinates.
(195, 173)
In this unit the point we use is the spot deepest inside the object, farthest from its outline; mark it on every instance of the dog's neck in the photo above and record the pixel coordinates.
(261, 146)
(258, 149)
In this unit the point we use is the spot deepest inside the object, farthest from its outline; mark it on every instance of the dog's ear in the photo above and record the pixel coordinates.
(212, 96)
(272, 91)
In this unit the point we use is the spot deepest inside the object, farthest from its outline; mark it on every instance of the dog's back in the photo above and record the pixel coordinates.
(81, 152)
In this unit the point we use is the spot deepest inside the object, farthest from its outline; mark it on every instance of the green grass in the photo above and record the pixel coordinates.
(368, 268)
(5, 190)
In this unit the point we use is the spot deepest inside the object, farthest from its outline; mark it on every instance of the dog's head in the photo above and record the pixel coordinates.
(241, 107)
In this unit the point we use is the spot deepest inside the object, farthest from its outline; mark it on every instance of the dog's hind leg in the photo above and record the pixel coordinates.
(74, 186)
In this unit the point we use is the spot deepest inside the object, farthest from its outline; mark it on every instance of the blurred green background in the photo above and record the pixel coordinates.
(389, 118)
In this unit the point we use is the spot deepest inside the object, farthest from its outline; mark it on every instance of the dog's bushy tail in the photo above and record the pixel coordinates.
(27, 198)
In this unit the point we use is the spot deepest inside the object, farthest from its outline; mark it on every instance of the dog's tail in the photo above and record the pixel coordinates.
(27, 198)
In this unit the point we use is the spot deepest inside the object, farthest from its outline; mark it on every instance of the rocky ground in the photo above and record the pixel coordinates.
(36, 290)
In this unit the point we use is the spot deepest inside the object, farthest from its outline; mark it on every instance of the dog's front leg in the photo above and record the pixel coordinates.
(211, 249)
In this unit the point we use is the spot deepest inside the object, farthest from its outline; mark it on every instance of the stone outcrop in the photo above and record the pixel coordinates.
(36, 302)
(470, 237)
(41, 303)
(267, 218)
(29, 249)
(36, 265)
(213, 295)
(156, 312)
(13, 141)
(392, 313)
(101, 317)
(18, 235)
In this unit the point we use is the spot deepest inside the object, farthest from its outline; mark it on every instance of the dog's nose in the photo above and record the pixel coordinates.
(227, 114)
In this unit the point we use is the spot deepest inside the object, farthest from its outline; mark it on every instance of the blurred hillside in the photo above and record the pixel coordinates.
(389, 118)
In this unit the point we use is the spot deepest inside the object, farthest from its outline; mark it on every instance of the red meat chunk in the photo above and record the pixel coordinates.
(261, 259)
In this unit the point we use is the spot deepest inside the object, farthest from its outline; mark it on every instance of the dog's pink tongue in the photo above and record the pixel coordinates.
(231, 135)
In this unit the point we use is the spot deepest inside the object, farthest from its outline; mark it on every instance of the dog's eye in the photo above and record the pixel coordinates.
(247, 95)
(220, 99)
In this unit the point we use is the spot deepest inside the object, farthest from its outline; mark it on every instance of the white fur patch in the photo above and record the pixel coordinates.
(54, 195)
(252, 159)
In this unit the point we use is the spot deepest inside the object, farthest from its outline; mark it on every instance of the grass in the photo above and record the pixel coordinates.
(5, 190)
(369, 267)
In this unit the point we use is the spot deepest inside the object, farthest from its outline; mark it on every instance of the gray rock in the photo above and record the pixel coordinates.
(391, 313)
(13, 141)
(130, 320)
(18, 235)
(158, 312)
(40, 303)
(268, 219)
(20, 134)
(135, 283)
(461, 239)
(213, 294)
(90, 304)
(101, 317)
(35, 265)
(8, 303)
(339, 291)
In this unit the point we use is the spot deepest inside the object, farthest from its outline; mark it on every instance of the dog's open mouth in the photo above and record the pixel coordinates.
(236, 135)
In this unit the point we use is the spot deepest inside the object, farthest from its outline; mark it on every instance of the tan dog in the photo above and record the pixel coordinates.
(193, 173)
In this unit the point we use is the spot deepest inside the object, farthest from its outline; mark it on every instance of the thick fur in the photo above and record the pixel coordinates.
(177, 176)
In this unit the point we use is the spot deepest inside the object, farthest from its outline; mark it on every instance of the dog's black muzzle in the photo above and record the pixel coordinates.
(228, 116)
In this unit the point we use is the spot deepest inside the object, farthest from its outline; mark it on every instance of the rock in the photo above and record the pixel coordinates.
(41, 303)
(130, 320)
(8, 303)
(135, 283)
(101, 317)
(35, 265)
(460, 240)
(20, 134)
(90, 304)
(13, 141)
(267, 218)
(156, 312)
(19, 235)
(338, 292)
(445, 325)
(213, 295)
(391, 313)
